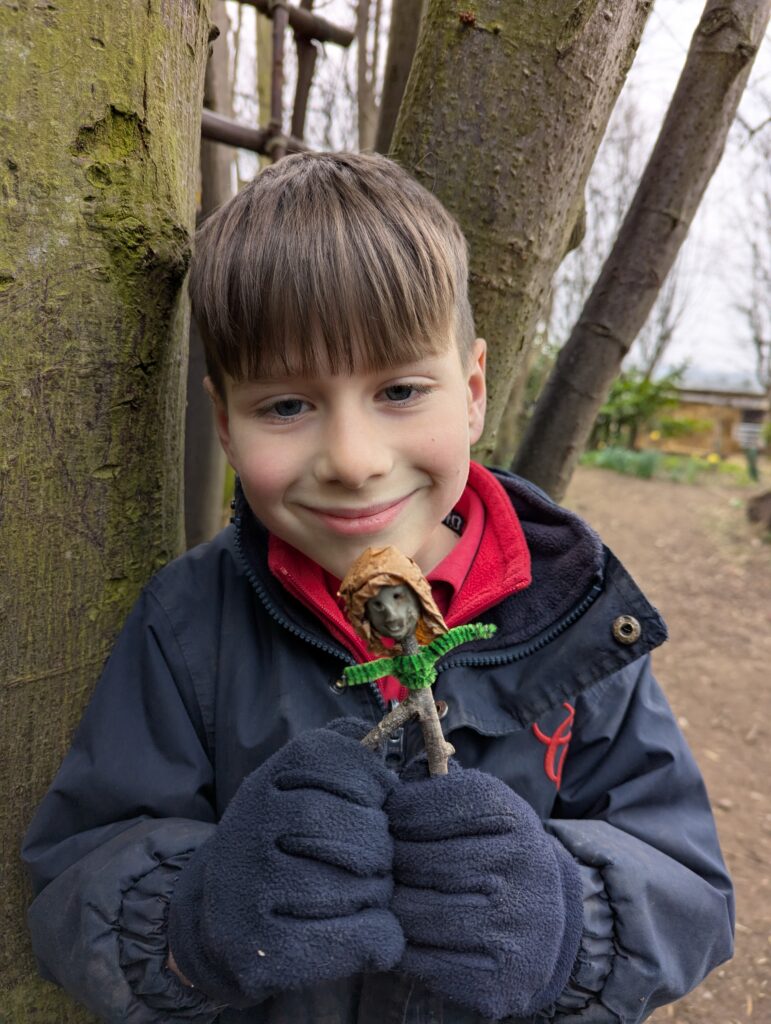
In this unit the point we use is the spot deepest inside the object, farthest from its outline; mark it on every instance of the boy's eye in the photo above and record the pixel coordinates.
(405, 392)
(286, 408)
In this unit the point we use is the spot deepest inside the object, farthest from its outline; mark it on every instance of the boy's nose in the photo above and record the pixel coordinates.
(351, 452)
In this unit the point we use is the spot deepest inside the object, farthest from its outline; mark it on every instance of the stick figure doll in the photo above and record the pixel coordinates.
(387, 596)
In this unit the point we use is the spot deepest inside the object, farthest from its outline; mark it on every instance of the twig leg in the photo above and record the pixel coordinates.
(390, 723)
(420, 704)
(438, 749)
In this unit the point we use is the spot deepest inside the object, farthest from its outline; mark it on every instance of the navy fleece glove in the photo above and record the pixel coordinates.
(295, 884)
(490, 904)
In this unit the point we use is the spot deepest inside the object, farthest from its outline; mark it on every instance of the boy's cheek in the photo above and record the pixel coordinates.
(260, 484)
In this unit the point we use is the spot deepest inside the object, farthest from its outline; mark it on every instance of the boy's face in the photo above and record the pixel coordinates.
(335, 463)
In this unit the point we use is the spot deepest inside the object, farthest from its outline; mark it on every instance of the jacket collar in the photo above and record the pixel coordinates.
(571, 570)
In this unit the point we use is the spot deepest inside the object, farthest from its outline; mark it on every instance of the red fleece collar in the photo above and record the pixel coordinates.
(489, 562)
(501, 563)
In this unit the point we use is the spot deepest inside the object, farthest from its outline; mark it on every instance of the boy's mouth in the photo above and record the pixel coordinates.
(350, 521)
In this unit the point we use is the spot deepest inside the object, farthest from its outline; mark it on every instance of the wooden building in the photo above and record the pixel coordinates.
(722, 414)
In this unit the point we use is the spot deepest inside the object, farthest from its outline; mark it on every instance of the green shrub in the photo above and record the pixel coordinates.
(624, 460)
(685, 426)
(686, 469)
(633, 402)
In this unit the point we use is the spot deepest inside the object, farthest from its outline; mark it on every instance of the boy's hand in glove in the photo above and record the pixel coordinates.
(294, 886)
(490, 904)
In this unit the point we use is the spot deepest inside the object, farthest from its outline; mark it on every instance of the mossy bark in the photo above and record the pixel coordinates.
(503, 113)
(98, 155)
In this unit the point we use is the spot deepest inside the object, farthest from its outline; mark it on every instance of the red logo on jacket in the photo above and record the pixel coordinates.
(556, 745)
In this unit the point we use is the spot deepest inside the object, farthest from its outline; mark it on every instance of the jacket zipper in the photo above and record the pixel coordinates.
(275, 614)
(517, 654)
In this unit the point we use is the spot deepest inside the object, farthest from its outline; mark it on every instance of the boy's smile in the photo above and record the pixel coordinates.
(361, 519)
(334, 463)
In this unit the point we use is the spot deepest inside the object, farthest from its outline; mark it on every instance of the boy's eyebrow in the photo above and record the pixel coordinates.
(271, 379)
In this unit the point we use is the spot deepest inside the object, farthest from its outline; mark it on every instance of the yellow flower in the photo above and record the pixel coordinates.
(713, 458)
(655, 435)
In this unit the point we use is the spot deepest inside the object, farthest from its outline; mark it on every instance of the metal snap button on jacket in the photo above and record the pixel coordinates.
(626, 629)
(339, 685)
(441, 708)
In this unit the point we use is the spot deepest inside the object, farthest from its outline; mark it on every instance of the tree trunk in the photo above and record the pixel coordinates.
(204, 458)
(406, 16)
(368, 14)
(510, 425)
(99, 144)
(684, 158)
(501, 119)
(264, 52)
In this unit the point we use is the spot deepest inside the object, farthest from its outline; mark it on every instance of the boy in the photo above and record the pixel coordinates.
(212, 848)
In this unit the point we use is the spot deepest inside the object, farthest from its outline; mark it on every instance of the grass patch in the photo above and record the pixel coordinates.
(624, 460)
(686, 469)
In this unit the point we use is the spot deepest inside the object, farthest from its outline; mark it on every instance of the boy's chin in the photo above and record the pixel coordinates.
(337, 561)
(339, 565)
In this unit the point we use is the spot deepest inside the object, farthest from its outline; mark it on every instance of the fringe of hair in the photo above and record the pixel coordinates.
(329, 262)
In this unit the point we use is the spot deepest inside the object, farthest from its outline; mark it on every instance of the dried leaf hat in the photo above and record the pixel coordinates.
(388, 567)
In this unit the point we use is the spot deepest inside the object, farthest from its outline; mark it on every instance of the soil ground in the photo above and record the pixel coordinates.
(709, 573)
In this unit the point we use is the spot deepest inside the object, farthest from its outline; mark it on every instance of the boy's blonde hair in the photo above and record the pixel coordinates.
(333, 261)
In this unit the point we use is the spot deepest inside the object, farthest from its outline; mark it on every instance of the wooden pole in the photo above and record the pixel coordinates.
(307, 24)
(276, 143)
(219, 128)
(306, 65)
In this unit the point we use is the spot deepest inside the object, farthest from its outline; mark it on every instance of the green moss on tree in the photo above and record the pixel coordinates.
(100, 142)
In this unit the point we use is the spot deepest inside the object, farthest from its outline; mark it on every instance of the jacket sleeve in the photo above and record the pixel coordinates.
(131, 802)
(634, 812)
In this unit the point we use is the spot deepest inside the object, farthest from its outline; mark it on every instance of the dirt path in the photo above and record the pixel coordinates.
(701, 564)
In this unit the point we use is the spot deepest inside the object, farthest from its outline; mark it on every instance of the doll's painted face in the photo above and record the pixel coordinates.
(394, 611)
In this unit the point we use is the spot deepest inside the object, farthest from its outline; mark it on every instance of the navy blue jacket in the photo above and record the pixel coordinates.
(217, 667)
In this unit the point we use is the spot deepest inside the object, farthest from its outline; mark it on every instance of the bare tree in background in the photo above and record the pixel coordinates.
(333, 118)
(609, 191)
(754, 301)
(406, 19)
(369, 17)
(263, 32)
(686, 154)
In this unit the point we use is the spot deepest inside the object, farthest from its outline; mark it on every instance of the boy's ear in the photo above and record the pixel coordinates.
(477, 389)
(221, 418)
